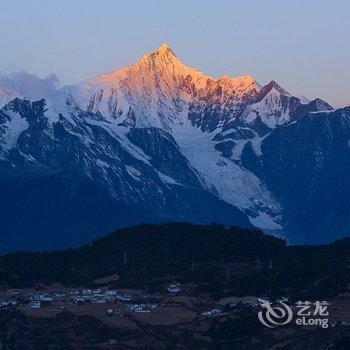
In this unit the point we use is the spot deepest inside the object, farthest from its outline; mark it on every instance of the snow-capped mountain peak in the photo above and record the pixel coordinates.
(158, 89)
(322, 105)
(163, 66)
(271, 88)
(166, 138)
(164, 55)
(155, 65)
(273, 105)
(164, 49)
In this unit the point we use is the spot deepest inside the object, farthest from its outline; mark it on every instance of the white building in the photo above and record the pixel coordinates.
(174, 287)
(35, 304)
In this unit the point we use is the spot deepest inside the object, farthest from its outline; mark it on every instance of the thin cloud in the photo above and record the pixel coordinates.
(30, 85)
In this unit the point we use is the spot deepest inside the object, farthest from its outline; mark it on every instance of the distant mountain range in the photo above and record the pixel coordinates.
(159, 141)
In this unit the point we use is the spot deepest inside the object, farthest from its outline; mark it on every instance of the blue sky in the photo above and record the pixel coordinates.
(303, 45)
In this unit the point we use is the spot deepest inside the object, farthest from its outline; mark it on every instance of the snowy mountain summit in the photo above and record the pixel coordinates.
(160, 90)
(158, 141)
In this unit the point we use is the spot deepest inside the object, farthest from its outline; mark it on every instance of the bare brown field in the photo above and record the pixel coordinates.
(166, 316)
(107, 279)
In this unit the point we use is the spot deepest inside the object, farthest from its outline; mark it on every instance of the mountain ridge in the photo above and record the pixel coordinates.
(167, 139)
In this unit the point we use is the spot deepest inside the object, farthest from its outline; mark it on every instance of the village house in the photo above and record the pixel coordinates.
(6, 303)
(138, 308)
(111, 293)
(210, 312)
(174, 287)
(35, 304)
(124, 296)
(78, 299)
(86, 291)
(151, 306)
(59, 294)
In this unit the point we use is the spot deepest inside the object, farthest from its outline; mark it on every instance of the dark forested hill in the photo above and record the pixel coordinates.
(175, 247)
(143, 245)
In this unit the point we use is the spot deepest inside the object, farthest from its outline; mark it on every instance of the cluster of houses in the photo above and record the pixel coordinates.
(131, 308)
(88, 295)
(7, 303)
(98, 296)
(39, 299)
(11, 298)
(211, 312)
(231, 304)
(126, 302)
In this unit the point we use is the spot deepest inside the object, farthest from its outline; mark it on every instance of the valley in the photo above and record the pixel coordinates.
(139, 287)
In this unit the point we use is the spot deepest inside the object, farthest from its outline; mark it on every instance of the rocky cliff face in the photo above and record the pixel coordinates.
(305, 164)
